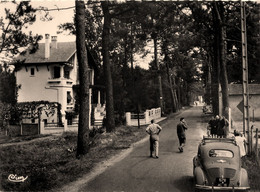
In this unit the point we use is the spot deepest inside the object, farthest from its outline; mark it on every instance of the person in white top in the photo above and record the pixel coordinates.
(241, 141)
(153, 130)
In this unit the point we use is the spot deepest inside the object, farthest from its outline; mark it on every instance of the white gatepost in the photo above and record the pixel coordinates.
(154, 110)
(146, 116)
(128, 118)
(99, 98)
(65, 125)
(41, 127)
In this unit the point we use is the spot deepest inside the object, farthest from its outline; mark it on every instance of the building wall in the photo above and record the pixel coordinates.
(237, 115)
(43, 86)
(33, 88)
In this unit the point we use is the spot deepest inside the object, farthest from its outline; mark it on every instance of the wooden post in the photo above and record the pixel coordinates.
(246, 117)
(229, 120)
(7, 127)
(253, 115)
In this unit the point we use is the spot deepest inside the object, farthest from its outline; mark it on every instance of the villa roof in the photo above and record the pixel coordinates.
(237, 89)
(61, 54)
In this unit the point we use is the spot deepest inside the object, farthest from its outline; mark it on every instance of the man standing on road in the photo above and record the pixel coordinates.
(153, 130)
(181, 127)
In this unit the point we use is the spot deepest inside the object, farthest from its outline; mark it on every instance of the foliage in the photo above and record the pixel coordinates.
(253, 170)
(8, 88)
(186, 30)
(93, 27)
(234, 42)
(13, 37)
(29, 110)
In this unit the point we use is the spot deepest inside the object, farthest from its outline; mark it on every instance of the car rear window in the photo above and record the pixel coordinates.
(221, 153)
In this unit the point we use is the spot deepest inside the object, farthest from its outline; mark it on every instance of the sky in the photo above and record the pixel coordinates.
(58, 17)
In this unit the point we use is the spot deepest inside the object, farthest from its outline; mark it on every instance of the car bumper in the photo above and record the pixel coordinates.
(216, 188)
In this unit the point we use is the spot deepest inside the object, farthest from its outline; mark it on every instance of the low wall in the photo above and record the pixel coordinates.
(50, 130)
(23, 129)
(30, 129)
(144, 118)
(14, 130)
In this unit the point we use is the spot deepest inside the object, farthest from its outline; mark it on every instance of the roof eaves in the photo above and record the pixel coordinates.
(71, 55)
(47, 63)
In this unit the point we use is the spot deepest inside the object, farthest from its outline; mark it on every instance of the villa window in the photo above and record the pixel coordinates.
(56, 72)
(69, 98)
(66, 73)
(32, 72)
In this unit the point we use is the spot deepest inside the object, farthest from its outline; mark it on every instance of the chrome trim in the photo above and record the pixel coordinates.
(217, 188)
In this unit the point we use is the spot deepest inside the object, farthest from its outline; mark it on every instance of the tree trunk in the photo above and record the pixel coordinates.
(220, 11)
(215, 64)
(224, 78)
(175, 94)
(83, 126)
(223, 65)
(174, 105)
(158, 75)
(110, 126)
(178, 87)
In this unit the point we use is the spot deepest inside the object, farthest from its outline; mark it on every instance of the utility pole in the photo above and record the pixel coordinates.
(246, 117)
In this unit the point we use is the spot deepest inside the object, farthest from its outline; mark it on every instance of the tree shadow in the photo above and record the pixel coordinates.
(185, 184)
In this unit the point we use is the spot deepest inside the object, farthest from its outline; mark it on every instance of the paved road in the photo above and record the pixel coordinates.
(171, 172)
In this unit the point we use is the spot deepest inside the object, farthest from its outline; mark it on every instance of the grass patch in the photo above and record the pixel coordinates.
(51, 163)
(253, 170)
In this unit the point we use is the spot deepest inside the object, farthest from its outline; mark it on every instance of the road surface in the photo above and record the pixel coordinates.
(171, 172)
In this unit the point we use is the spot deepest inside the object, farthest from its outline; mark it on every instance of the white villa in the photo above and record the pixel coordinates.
(49, 75)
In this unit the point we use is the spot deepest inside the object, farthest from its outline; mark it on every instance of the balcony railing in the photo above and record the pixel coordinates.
(60, 81)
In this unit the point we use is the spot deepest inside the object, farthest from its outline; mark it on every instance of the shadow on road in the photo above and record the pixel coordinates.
(185, 184)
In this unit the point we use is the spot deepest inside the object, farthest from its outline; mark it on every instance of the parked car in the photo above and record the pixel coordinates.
(217, 166)
(207, 109)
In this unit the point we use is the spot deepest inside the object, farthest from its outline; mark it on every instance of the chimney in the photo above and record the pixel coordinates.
(54, 42)
(47, 46)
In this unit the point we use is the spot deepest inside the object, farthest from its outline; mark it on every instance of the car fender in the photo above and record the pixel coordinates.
(243, 178)
(199, 176)
(195, 162)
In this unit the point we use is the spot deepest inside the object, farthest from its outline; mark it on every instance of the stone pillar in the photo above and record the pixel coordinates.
(63, 118)
(42, 127)
(99, 104)
(62, 72)
(128, 118)
(98, 97)
(146, 117)
(65, 125)
(153, 113)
